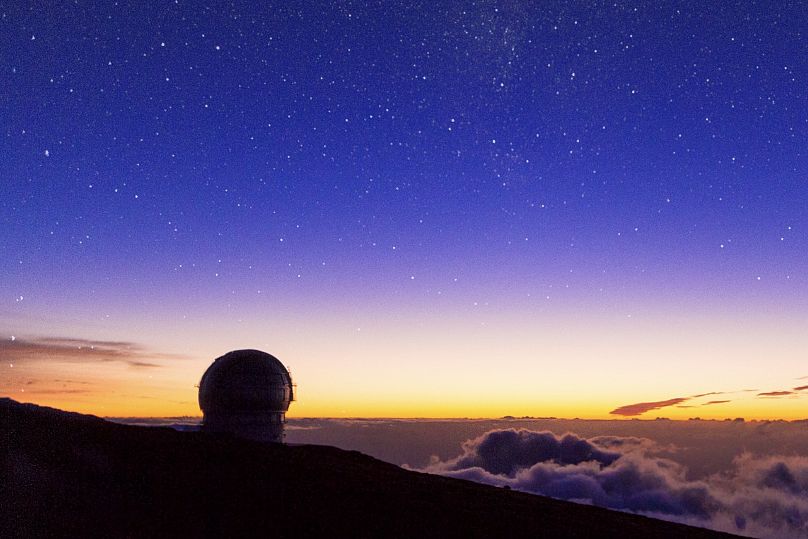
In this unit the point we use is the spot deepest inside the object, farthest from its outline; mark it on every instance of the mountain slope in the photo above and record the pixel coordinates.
(72, 475)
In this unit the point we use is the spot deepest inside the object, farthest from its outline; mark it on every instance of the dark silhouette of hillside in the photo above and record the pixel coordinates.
(72, 475)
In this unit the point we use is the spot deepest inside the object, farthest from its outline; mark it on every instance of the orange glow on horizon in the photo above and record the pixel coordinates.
(184, 405)
(517, 365)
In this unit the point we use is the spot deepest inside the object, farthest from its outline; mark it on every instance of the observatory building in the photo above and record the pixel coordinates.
(246, 393)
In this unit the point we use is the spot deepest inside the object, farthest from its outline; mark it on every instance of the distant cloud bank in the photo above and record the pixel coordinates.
(759, 496)
(50, 367)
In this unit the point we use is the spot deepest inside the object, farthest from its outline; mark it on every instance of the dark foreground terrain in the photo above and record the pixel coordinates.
(71, 475)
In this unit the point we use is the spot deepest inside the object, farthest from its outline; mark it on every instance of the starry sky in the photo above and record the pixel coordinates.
(464, 209)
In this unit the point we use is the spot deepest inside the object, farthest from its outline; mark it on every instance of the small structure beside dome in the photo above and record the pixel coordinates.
(246, 393)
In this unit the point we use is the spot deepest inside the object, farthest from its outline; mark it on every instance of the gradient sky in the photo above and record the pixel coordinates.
(475, 210)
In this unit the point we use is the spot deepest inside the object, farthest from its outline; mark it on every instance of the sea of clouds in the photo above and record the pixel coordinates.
(760, 496)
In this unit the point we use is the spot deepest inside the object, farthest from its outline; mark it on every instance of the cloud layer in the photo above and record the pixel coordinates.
(642, 407)
(78, 351)
(759, 496)
(633, 410)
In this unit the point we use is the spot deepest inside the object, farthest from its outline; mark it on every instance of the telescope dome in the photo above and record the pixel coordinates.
(246, 392)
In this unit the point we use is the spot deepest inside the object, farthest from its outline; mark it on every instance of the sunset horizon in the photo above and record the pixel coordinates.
(122, 379)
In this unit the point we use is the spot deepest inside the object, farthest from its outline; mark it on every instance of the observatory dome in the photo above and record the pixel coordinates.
(247, 393)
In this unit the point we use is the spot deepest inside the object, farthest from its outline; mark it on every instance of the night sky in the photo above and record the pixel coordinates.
(489, 208)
